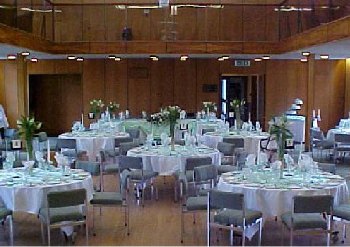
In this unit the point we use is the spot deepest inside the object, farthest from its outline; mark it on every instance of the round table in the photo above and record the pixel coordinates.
(273, 197)
(94, 141)
(332, 132)
(165, 162)
(27, 193)
(251, 139)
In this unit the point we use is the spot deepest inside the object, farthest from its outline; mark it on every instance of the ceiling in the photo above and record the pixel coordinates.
(336, 50)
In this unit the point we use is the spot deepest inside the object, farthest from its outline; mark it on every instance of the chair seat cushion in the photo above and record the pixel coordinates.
(304, 221)
(4, 212)
(111, 168)
(196, 203)
(226, 168)
(62, 214)
(342, 211)
(137, 175)
(235, 217)
(325, 144)
(107, 198)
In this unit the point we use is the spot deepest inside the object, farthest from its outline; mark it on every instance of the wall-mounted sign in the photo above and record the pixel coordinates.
(242, 63)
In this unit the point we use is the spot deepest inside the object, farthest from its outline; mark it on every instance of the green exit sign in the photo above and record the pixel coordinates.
(242, 63)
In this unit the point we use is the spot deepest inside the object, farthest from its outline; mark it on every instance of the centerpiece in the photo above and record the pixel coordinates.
(278, 129)
(238, 106)
(209, 107)
(27, 126)
(171, 114)
(96, 107)
(113, 108)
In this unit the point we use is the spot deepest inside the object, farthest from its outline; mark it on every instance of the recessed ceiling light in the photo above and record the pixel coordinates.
(225, 57)
(154, 58)
(266, 57)
(80, 59)
(221, 59)
(183, 57)
(71, 57)
(25, 53)
(324, 56)
(11, 57)
(258, 59)
(117, 59)
(34, 60)
(306, 53)
(304, 60)
(111, 57)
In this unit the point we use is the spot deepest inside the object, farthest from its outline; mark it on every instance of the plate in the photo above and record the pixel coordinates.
(316, 187)
(53, 182)
(294, 187)
(253, 185)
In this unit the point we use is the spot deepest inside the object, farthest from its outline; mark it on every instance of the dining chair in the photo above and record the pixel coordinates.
(64, 208)
(134, 133)
(238, 142)
(188, 173)
(311, 214)
(341, 145)
(195, 198)
(126, 146)
(94, 169)
(227, 157)
(7, 215)
(68, 147)
(319, 142)
(206, 130)
(327, 167)
(131, 171)
(227, 210)
(342, 213)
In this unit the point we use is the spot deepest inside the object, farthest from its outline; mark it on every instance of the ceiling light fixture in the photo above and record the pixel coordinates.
(80, 59)
(34, 60)
(303, 60)
(225, 57)
(266, 57)
(258, 59)
(118, 59)
(305, 53)
(221, 59)
(111, 57)
(324, 56)
(11, 57)
(71, 57)
(25, 53)
(183, 58)
(154, 58)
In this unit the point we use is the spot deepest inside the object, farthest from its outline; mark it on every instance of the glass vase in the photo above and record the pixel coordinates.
(172, 135)
(238, 119)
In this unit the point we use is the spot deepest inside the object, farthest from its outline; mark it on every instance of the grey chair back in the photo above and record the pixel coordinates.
(42, 136)
(316, 134)
(205, 173)
(92, 167)
(226, 148)
(133, 132)
(193, 162)
(206, 130)
(238, 142)
(222, 199)
(126, 146)
(10, 133)
(342, 138)
(58, 199)
(66, 143)
(313, 204)
(119, 140)
(241, 156)
(129, 162)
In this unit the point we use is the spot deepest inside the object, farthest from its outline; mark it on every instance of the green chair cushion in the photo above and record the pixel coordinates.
(4, 212)
(235, 217)
(342, 211)
(304, 221)
(196, 203)
(62, 214)
(107, 198)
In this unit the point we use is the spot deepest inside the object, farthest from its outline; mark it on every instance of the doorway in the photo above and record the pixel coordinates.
(251, 88)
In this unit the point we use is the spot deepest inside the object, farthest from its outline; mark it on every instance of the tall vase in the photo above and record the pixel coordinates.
(172, 135)
(281, 148)
(29, 147)
(238, 119)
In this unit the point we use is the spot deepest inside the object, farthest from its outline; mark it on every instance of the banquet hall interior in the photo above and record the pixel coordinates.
(175, 122)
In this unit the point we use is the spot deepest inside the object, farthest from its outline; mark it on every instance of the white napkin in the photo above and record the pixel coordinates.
(257, 125)
(164, 139)
(182, 114)
(305, 162)
(250, 160)
(28, 164)
(61, 159)
(39, 156)
(10, 157)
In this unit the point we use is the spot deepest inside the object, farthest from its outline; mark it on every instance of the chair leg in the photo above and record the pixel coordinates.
(194, 218)
(87, 231)
(291, 237)
(231, 237)
(48, 236)
(344, 232)
(182, 225)
(42, 233)
(128, 220)
(260, 231)
(11, 228)
(243, 237)
(93, 221)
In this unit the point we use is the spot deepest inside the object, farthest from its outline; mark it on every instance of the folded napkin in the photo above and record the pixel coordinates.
(182, 114)
(250, 160)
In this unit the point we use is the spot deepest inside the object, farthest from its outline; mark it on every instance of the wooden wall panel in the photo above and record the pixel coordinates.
(116, 82)
(140, 23)
(162, 84)
(231, 23)
(212, 24)
(10, 79)
(139, 86)
(94, 23)
(69, 23)
(2, 85)
(183, 18)
(185, 89)
(254, 25)
(115, 22)
(157, 17)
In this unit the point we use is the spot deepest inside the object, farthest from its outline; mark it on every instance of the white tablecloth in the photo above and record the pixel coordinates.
(251, 141)
(332, 132)
(275, 202)
(166, 164)
(94, 144)
(26, 198)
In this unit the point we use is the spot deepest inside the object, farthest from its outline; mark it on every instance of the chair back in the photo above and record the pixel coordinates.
(316, 134)
(238, 142)
(342, 138)
(66, 143)
(241, 156)
(126, 146)
(119, 140)
(313, 204)
(42, 136)
(129, 162)
(133, 132)
(58, 199)
(92, 167)
(206, 130)
(205, 173)
(180, 142)
(222, 199)
(226, 148)
(10, 133)
(193, 162)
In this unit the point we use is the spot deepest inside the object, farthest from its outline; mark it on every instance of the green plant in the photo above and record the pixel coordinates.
(27, 126)
(278, 128)
(113, 107)
(209, 106)
(96, 106)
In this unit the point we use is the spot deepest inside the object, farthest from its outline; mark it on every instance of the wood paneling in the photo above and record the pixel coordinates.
(231, 23)
(10, 69)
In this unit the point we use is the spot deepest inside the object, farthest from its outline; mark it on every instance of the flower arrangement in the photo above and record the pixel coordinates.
(278, 128)
(171, 114)
(237, 104)
(27, 126)
(113, 107)
(96, 106)
(157, 118)
(209, 106)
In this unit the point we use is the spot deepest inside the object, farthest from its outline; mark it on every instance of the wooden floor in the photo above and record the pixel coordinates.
(158, 223)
